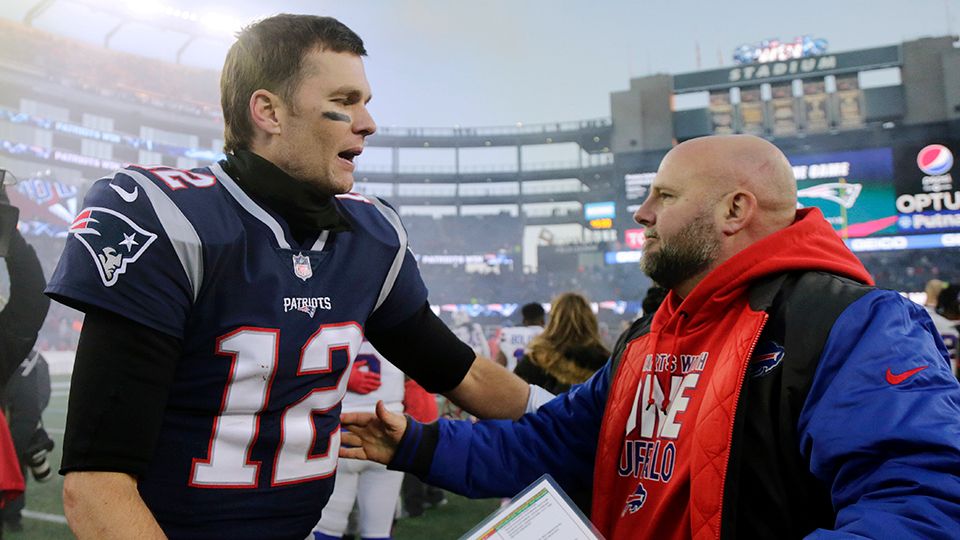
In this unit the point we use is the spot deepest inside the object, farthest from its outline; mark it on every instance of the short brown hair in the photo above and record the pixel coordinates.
(269, 54)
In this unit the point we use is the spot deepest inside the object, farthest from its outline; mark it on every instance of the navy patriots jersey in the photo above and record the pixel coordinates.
(248, 445)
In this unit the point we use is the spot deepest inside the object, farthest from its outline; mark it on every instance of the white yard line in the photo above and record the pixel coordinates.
(43, 516)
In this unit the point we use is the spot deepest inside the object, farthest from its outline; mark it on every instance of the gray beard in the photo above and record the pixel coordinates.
(691, 252)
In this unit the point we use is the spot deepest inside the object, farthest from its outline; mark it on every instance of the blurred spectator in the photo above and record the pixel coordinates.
(470, 333)
(654, 297)
(417, 495)
(948, 306)
(910, 270)
(514, 339)
(947, 328)
(568, 351)
(25, 397)
(370, 485)
(24, 312)
(20, 322)
(11, 479)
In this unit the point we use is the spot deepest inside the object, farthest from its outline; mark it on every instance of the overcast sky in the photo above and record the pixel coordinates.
(498, 62)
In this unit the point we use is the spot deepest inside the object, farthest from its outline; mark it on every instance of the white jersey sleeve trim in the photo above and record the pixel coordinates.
(247, 203)
(391, 278)
(183, 236)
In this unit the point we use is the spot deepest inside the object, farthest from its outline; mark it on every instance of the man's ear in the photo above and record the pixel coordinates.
(739, 208)
(264, 110)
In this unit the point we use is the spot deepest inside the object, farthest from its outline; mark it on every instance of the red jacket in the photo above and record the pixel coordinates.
(665, 438)
(11, 477)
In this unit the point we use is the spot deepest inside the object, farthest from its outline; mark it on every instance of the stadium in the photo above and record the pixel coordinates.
(499, 216)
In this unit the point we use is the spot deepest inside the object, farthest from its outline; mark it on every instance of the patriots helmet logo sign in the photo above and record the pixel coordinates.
(301, 266)
(635, 500)
(113, 240)
(767, 356)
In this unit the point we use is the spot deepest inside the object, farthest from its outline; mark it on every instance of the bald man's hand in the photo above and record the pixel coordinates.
(373, 437)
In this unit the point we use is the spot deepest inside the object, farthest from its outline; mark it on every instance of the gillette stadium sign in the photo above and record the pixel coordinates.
(774, 50)
(780, 63)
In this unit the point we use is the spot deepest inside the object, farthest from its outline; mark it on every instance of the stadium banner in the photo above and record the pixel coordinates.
(928, 195)
(47, 207)
(854, 189)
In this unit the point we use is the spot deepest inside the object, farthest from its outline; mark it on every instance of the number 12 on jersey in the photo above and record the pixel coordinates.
(254, 353)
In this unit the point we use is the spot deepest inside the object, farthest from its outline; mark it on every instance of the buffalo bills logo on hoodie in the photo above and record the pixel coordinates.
(635, 500)
(113, 240)
(766, 357)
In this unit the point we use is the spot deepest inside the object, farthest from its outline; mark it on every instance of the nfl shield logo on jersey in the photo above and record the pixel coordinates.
(113, 240)
(301, 266)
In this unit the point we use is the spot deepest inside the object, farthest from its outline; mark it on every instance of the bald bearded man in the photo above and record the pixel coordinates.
(775, 393)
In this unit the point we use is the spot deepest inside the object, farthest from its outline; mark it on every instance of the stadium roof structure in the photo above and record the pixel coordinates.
(151, 28)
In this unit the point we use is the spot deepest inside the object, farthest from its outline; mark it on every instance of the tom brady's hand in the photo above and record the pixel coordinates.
(362, 381)
(370, 436)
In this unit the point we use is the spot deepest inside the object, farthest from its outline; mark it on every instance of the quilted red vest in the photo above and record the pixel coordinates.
(667, 431)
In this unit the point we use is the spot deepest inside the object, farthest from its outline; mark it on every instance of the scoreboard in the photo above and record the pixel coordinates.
(899, 195)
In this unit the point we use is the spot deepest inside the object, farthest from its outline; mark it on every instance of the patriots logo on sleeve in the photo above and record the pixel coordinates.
(113, 240)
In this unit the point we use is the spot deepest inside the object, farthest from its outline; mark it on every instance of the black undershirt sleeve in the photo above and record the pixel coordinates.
(118, 392)
(426, 350)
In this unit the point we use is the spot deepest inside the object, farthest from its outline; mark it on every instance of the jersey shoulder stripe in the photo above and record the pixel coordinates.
(177, 227)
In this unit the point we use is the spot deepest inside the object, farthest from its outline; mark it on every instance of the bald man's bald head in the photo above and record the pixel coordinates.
(724, 163)
(712, 198)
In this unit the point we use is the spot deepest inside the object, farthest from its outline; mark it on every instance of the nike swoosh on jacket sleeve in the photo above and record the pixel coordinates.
(889, 453)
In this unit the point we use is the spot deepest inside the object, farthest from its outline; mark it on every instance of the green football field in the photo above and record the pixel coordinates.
(43, 518)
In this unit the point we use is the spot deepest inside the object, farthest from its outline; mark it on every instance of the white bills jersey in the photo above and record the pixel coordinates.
(391, 383)
(514, 340)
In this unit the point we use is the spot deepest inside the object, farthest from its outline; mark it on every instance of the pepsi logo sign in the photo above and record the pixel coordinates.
(935, 160)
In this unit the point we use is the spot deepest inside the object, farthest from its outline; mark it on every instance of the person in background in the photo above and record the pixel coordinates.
(370, 485)
(11, 477)
(775, 394)
(514, 339)
(26, 307)
(20, 322)
(948, 317)
(470, 333)
(652, 300)
(417, 495)
(568, 351)
(26, 396)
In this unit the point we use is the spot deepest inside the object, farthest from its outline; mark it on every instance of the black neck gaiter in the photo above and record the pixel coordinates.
(301, 205)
